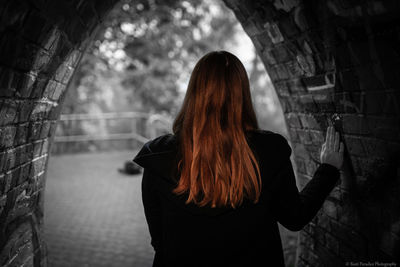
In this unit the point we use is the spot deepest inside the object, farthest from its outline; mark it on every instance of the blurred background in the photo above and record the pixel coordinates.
(127, 90)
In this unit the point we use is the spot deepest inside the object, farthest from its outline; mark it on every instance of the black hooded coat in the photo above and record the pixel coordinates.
(188, 235)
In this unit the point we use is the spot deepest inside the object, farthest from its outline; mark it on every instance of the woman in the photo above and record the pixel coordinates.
(214, 190)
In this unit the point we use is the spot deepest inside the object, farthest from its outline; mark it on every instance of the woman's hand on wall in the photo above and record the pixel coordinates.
(332, 150)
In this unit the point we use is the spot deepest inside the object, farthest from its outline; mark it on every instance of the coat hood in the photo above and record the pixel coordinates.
(160, 157)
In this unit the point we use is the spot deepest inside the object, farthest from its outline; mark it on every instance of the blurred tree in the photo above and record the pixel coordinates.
(154, 44)
(143, 55)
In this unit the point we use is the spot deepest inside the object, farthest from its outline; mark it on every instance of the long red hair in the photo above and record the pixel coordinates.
(217, 166)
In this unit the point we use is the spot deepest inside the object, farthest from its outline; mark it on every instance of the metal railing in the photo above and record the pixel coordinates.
(102, 116)
(143, 127)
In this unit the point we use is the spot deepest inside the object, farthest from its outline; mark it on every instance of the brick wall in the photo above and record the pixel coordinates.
(338, 62)
(327, 60)
(41, 43)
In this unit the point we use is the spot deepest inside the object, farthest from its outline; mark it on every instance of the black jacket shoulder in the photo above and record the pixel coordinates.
(262, 141)
(161, 153)
(270, 140)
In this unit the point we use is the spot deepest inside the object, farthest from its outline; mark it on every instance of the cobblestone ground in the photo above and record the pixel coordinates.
(94, 214)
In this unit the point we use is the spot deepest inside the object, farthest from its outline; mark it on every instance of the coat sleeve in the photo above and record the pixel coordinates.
(152, 209)
(294, 209)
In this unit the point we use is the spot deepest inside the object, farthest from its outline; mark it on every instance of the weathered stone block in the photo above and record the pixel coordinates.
(8, 111)
(281, 53)
(308, 121)
(293, 120)
(20, 236)
(304, 137)
(288, 26)
(250, 27)
(300, 166)
(73, 58)
(40, 183)
(23, 202)
(22, 134)
(294, 69)
(34, 130)
(311, 166)
(55, 111)
(7, 134)
(317, 137)
(59, 90)
(14, 177)
(267, 53)
(23, 153)
(37, 148)
(53, 128)
(44, 132)
(38, 87)
(24, 174)
(264, 40)
(37, 166)
(282, 89)
(282, 72)
(49, 89)
(296, 85)
(294, 137)
(330, 209)
(285, 105)
(25, 85)
(295, 104)
(25, 110)
(40, 111)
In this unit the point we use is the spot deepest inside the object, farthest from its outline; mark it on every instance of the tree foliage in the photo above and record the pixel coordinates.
(151, 46)
(142, 57)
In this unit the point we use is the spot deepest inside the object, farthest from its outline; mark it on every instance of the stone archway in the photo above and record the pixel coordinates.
(328, 60)
(337, 62)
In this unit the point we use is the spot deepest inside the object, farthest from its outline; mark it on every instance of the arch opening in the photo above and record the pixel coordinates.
(329, 61)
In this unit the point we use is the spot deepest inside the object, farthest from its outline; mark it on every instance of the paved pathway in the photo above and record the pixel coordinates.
(93, 214)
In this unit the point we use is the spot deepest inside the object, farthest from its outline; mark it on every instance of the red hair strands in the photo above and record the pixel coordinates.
(217, 165)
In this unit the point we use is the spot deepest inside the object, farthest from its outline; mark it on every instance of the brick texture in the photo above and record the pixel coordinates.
(330, 62)
(337, 62)
(41, 44)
